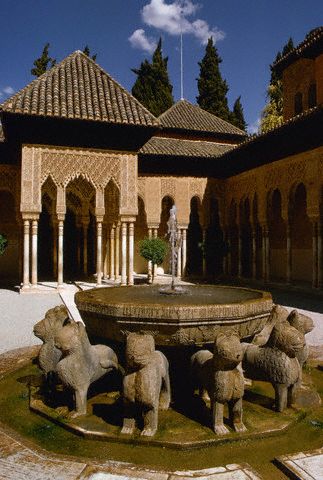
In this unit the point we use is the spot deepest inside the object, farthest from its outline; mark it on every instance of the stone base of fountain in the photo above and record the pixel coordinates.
(184, 428)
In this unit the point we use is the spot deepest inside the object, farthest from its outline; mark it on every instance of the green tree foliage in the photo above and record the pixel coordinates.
(237, 116)
(3, 244)
(272, 114)
(152, 87)
(211, 86)
(153, 250)
(87, 52)
(43, 63)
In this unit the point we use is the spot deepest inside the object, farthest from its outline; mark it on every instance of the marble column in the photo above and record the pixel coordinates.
(34, 245)
(155, 235)
(150, 269)
(288, 254)
(254, 253)
(112, 254)
(60, 252)
(123, 253)
(130, 252)
(179, 255)
(117, 251)
(79, 242)
(229, 261)
(85, 225)
(184, 250)
(55, 235)
(26, 254)
(106, 254)
(99, 251)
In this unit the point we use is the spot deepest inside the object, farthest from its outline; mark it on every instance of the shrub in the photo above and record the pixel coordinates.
(3, 243)
(153, 249)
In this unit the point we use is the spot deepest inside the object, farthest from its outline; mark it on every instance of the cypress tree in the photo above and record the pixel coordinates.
(272, 114)
(152, 87)
(212, 87)
(237, 116)
(43, 63)
(87, 52)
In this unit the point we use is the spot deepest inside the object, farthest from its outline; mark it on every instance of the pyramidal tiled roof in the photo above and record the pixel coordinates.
(78, 88)
(186, 116)
(161, 146)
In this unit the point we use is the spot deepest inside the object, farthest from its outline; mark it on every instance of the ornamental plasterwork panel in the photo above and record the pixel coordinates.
(129, 185)
(64, 165)
(168, 188)
(197, 187)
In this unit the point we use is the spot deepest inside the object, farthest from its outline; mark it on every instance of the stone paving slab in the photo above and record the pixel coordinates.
(18, 462)
(303, 465)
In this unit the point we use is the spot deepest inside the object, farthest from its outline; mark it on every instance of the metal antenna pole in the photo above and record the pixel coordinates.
(182, 82)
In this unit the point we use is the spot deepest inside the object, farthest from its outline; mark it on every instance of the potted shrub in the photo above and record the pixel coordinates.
(154, 250)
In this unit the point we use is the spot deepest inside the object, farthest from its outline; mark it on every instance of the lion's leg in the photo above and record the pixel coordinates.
(80, 402)
(150, 422)
(129, 421)
(165, 394)
(280, 397)
(235, 408)
(217, 414)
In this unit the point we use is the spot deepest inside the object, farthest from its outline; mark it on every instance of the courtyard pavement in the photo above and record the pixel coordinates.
(19, 461)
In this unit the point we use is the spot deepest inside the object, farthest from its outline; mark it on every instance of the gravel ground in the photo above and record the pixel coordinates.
(18, 315)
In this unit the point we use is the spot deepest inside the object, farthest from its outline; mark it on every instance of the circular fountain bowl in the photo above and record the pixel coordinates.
(190, 319)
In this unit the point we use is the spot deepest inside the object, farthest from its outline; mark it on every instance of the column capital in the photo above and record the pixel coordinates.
(60, 217)
(99, 218)
(127, 218)
(30, 216)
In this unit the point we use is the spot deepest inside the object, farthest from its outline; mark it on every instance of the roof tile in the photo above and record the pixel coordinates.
(78, 88)
(179, 148)
(186, 116)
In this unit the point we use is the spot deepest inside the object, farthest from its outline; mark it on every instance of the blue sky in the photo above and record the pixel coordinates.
(248, 35)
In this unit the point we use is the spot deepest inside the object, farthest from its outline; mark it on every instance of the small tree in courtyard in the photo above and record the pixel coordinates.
(153, 250)
(3, 244)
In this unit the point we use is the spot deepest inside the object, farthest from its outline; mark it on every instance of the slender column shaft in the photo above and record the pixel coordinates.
(130, 252)
(112, 244)
(315, 256)
(85, 229)
(184, 250)
(54, 229)
(179, 255)
(155, 235)
(319, 256)
(99, 253)
(34, 244)
(26, 253)
(123, 253)
(60, 253)
(288, 255)
(117, 251)
(106, 256)
(150, 269)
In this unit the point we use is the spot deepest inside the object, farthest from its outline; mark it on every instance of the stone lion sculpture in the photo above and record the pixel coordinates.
(304, 324)
(82, 363)
(46, 329)
(145, 385)
(218, 375)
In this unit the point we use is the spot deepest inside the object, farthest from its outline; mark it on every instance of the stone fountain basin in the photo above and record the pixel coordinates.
(190, 319)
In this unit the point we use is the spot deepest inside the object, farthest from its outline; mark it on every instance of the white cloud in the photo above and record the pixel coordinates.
(172, 19)
(139, 40)
(254, 127)
(8, 90)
